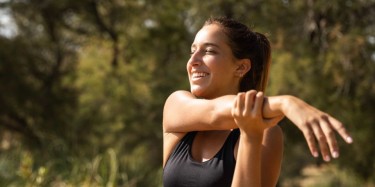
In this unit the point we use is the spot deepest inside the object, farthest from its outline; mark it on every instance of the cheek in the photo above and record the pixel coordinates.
(221, 65)
(188, 67)
(188, 71)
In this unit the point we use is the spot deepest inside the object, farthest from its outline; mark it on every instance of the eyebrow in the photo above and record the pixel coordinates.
(208, 44)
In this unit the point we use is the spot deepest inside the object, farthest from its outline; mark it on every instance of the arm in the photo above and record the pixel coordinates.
(315, 126)
(272, 155)
(255, 165)
(248, 166)
(183, 112)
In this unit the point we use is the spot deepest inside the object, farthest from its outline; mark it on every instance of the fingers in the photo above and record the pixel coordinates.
(310, 138)
(328, 125)
(320, 127)
(330, 137)
(235, 105)
(322, 141)
(258, 105)
(240, 103)
(249, 102)
(339, 127)
(324, 132)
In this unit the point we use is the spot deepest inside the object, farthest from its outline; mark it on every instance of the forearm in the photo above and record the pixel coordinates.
(274, 106)
(248, 165)
(183, 112)
(285, 105)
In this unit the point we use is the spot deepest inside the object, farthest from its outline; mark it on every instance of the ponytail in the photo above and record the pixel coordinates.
(257, 77)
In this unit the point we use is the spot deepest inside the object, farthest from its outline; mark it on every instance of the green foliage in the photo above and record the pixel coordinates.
(83, 84)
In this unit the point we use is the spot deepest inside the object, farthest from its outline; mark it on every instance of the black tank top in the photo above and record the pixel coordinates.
(182, 171)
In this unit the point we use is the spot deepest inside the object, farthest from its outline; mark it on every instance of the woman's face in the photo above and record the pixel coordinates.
(212, 68)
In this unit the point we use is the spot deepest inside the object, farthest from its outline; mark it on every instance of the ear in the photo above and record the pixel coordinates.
(243, 66)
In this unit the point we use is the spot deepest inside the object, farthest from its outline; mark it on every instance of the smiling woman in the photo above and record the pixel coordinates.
(224, 131)
(213, 78)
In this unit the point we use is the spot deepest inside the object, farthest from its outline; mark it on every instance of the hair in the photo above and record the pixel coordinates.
(246, 44)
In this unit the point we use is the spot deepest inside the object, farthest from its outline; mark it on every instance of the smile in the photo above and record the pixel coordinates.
(199, 74)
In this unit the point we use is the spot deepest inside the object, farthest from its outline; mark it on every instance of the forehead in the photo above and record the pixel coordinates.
(210, 34)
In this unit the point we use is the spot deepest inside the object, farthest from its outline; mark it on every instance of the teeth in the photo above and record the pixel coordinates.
(199, 74)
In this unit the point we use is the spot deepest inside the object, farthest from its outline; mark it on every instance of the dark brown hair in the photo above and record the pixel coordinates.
(246, 44)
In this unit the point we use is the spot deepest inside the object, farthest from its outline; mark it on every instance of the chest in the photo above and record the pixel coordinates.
(212, 165)
(206, 145)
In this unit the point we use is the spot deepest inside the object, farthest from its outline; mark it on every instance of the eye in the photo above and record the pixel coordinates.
(193, 49)
(210, 51)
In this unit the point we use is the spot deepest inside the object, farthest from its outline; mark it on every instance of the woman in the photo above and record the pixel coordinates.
(223, 132)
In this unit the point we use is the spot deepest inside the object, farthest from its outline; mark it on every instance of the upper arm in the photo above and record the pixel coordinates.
(170, 141)
(272, 154)
(183, 112)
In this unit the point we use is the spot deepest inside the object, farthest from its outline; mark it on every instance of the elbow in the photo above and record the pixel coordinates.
(168, 127)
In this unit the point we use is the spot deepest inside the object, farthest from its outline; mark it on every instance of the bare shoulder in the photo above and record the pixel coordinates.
(176, 98)
(179, 95)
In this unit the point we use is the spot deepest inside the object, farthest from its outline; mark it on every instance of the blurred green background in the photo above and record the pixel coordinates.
(83, 83)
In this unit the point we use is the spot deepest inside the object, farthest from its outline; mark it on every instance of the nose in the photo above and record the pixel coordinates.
(195, 59)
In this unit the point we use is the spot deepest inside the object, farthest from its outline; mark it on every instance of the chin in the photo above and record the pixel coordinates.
(198, 92)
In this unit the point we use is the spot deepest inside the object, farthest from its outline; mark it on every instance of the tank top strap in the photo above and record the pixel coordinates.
(183, 147)
(233, 137)
(227, 151)
(189, 138)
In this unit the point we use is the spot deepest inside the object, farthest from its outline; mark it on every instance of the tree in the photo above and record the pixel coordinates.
(83, 83)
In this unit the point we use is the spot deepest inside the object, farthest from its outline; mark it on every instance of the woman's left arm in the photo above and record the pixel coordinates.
(272, 155)
(251, 167)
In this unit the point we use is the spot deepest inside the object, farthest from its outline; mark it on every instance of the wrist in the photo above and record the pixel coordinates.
(275, 106)
(285, 103)
(252, 138)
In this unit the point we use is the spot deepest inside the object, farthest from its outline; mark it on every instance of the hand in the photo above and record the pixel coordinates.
(318, 125)
(247, 113)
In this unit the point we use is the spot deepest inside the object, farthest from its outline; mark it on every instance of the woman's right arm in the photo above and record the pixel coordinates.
(183, 112)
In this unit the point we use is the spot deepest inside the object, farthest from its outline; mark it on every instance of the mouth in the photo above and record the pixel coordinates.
(197, 75)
